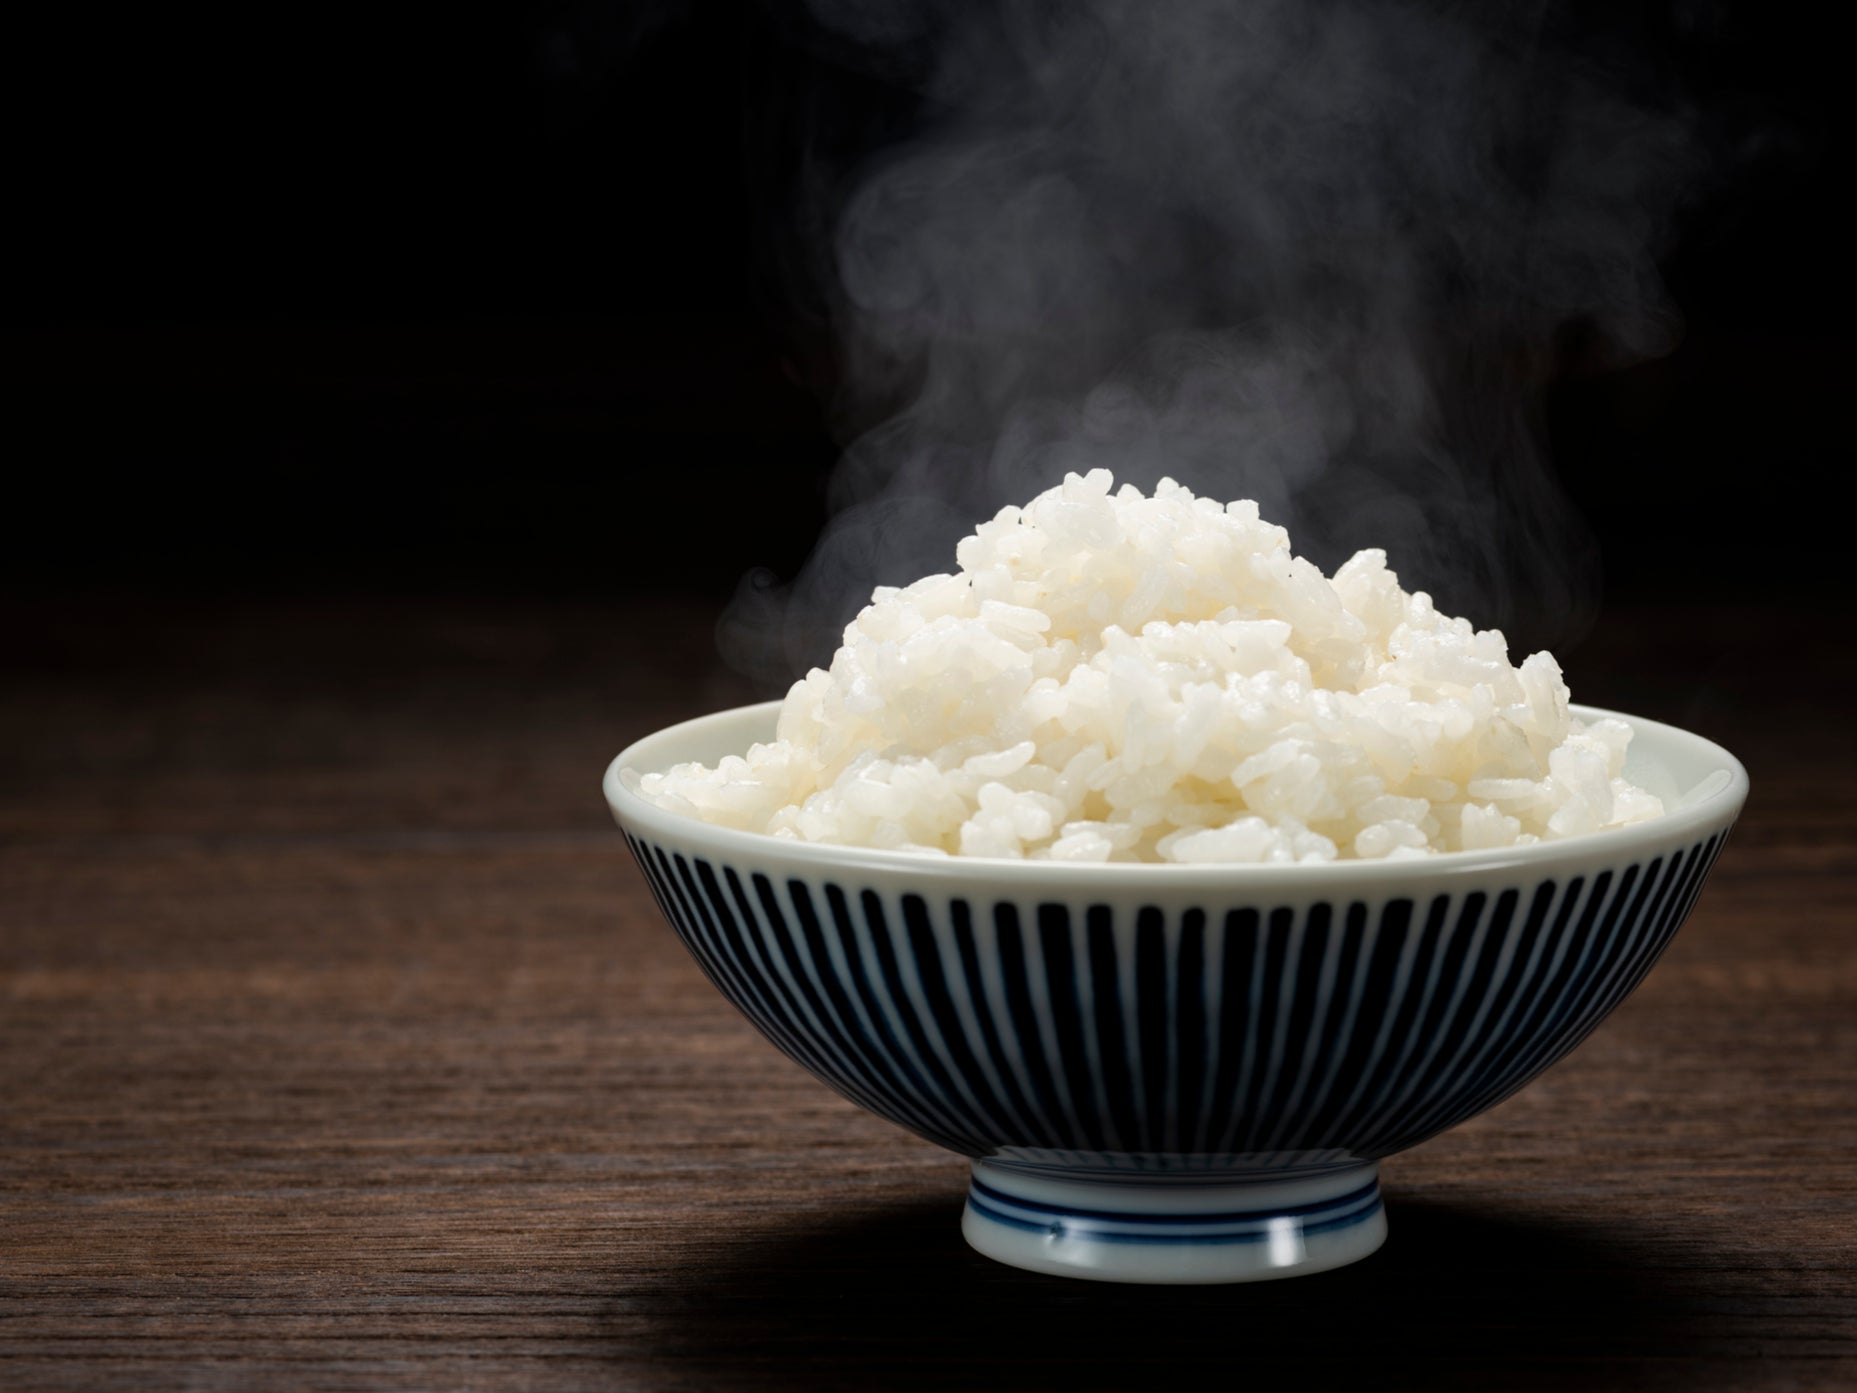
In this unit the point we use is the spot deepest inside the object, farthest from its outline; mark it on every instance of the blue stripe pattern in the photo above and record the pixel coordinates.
(1233, 1226)
(1205, 1037)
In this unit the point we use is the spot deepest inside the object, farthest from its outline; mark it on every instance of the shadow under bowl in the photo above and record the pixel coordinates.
(1168, 1073)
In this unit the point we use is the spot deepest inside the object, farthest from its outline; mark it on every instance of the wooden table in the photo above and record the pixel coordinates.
(343, 1049)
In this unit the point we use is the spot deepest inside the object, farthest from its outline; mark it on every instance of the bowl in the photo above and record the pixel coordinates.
(1169, 1073)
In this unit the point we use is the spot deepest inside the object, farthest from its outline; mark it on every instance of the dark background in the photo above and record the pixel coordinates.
(360, 361)
(326, 300)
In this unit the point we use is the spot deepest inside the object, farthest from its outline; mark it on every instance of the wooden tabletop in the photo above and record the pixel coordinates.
(342, 1048)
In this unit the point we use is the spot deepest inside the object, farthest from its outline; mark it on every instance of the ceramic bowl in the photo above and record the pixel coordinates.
(1178, 1073)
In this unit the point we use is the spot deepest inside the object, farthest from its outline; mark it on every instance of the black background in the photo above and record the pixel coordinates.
(331, 300)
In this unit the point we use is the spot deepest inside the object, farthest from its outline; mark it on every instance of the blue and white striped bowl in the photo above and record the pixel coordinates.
(1177, 1073)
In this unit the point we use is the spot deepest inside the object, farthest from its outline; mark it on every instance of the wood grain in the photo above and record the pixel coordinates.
(343, 1049)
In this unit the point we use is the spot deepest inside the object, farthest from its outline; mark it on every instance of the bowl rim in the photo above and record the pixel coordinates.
(1715, 811)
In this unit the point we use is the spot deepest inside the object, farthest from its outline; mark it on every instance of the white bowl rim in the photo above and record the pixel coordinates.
(1713, 812)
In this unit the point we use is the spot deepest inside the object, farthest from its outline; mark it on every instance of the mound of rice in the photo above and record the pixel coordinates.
(1116, 677)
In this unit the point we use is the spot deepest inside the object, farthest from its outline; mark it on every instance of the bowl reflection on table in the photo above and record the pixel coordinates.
(1168, 1073)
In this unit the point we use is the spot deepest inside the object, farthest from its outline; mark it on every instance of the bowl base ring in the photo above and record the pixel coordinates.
(1174, 1229)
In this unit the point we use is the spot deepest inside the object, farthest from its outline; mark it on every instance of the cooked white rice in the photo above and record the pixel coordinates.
(1114, 677)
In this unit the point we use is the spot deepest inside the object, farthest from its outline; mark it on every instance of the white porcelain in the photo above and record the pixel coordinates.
(1178, 1073)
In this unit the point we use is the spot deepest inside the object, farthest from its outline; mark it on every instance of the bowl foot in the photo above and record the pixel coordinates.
(1174, 1229)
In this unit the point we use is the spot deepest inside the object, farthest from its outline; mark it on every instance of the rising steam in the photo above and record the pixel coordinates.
(1319, 253)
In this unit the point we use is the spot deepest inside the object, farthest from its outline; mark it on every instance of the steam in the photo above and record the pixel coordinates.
(1320, 253)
